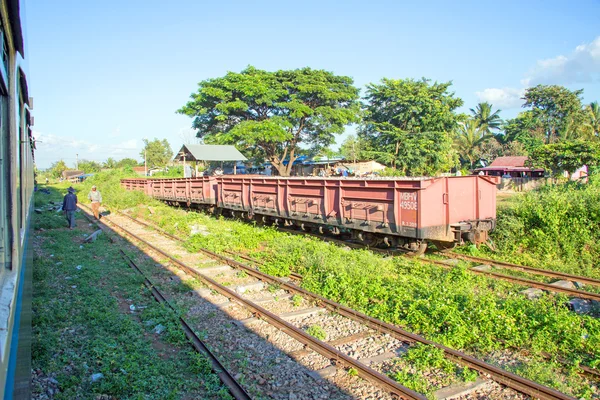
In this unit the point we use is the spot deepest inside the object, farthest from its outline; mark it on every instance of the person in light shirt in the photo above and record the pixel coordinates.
(96, 198)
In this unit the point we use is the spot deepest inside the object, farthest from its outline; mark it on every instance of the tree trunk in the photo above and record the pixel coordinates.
(280, 168)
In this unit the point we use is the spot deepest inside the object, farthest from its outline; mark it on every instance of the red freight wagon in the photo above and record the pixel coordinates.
(134, 184)
(200, 190)
(405, 211)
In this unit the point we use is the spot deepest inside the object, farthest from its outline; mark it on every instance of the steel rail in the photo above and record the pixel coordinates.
(517, 267)
(292, 275)
(526, 282)
(499, 375)
(236, 390)
(320, 347)
(523, 281)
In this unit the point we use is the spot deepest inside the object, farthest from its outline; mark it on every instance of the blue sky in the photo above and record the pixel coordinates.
(107, 74)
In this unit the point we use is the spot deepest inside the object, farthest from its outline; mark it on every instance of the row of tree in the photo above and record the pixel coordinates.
(156, 153)
(410, 125)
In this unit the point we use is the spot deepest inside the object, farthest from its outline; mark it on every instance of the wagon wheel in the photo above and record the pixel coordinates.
(367, 238)
(444, 247)
(419, 251)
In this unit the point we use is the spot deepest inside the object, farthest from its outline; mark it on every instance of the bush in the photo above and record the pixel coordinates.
(556, 227)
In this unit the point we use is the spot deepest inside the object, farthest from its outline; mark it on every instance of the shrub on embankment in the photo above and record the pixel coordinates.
(109, 185)
(453, 307)
(555, 227)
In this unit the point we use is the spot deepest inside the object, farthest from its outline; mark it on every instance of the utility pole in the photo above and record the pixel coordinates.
(145, 164)
(77, 161)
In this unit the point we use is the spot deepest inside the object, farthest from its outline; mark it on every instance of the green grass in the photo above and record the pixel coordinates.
(555, 227)
(82, 324)
(454, 307)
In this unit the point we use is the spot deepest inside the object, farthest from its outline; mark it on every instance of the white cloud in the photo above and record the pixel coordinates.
(581, 66)
(50, 148)
(502, 98)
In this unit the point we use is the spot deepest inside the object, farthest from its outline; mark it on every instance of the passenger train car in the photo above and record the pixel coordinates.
(16, 205)
(407, 213)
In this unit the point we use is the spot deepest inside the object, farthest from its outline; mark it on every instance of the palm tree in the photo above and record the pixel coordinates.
(485, 118)
(593, 115)
(469, 138)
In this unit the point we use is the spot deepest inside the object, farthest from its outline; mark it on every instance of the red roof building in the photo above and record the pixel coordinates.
(139, 170)
(512, 166)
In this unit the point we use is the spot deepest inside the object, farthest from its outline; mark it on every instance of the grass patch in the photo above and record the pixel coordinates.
(82, 323)
(454, 307)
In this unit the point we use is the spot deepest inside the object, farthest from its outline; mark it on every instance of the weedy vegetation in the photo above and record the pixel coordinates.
(83, 324)
(556, 227)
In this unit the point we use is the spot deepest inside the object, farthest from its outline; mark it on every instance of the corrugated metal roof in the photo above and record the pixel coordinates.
(206, 152)
(510, 161)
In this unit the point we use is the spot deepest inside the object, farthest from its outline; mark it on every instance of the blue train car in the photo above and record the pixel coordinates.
(16, 206)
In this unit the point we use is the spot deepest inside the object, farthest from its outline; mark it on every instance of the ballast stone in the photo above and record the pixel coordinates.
(455, 391)
(532, 293)
(564, 284)
(580, 306)
(451, 261)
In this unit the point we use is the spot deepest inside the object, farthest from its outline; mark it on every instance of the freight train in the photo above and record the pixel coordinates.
(406, 213)
(16, 205)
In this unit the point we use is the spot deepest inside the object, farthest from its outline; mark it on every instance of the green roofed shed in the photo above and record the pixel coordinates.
(207, 152)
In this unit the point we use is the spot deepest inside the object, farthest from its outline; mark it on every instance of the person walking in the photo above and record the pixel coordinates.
(96, 198)
(69, 207)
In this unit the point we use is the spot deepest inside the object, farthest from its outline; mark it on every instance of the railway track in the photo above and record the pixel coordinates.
(516, 267)
(324, 349)
(512, 381)
(522, 281)
(234, 388)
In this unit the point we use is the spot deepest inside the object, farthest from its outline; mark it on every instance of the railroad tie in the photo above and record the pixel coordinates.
(307, 312)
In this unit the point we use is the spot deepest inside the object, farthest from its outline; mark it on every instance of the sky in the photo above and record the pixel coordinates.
(105, 75)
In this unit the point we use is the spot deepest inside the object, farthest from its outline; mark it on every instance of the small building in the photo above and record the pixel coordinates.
(511, 166)
(139, 170)
(72, 175)
(196, 153)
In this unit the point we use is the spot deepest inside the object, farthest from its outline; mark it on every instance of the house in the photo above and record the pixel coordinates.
(511, 166)
(139, 170)
(196, 153)
(72, 175)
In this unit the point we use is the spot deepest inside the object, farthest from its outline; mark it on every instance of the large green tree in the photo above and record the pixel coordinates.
(127, 162)
(109, 163)
(158, 153)
(470, 136)
(526, 129)
(57, 168)
(485, 118)
(269, 114)
(352, 149)
(566, 156)
(89, 167)
(592, 122)
(408, 124)
(558, 109)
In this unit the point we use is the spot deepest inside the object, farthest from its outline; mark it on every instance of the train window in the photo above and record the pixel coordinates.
(18, 161)
(3, 54)
(5, 231)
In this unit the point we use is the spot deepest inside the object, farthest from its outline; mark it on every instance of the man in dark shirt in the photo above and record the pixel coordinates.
(69, 207)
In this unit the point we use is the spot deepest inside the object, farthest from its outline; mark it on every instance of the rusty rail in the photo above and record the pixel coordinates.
(509, 379)
(517, 267)
(523, 281)
(236, 390)
(320, 347)
(527, 282)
